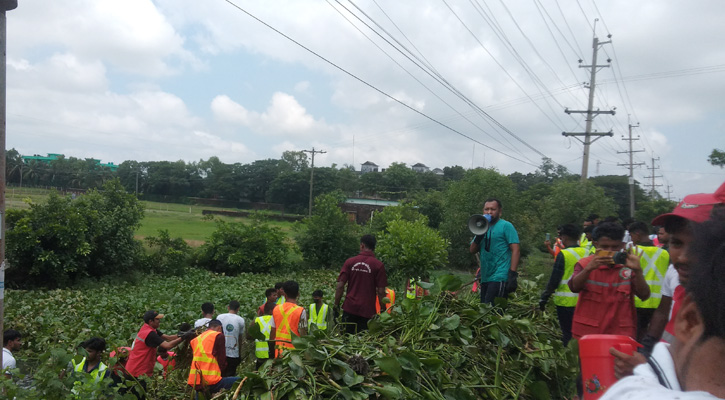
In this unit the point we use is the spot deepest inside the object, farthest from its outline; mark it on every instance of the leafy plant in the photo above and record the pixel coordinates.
(237, 247)
(327, 237)
(167, 255)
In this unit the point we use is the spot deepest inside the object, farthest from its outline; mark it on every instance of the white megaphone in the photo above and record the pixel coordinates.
(478, 223)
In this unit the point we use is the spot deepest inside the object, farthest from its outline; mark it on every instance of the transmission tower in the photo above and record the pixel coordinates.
(654, 176)
(631, 166)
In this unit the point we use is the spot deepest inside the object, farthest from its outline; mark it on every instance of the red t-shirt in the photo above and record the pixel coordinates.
(363, 274)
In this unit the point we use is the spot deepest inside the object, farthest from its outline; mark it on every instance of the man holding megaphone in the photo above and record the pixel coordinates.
(498, 244)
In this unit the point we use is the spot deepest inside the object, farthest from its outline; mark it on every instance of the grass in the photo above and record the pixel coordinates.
(181, 220)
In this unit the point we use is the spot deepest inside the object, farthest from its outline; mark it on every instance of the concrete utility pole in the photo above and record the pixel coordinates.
(631, 166)
(590, 112)
(312, 172)
(5, 5)
(653, 185)
(669, 192)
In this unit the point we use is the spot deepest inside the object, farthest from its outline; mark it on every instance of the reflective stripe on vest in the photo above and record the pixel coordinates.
(97, 373)
(261, 347)
(654, 262)
(283, 332)
(563, 297)
(318, 318)
(141, 358)
(204, 365)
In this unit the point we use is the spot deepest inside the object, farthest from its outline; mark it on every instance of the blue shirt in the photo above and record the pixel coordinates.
(496, 261)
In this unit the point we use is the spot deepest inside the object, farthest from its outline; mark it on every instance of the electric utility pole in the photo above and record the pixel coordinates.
(312, 172)
(653, 185)
(5, 5)
(590, 112)
(669, 192)
(631, 166)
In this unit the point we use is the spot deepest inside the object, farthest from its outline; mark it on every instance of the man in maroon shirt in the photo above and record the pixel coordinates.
(365, 278)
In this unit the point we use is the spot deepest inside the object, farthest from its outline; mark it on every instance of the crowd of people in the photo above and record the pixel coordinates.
(666, 289)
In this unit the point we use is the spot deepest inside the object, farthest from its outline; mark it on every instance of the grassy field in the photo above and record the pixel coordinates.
(181, 220)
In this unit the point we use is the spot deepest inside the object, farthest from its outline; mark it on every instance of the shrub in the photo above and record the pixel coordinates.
(62, 240)
(167, 255)
(405, 211)
(239, 247)
(410, 249)
(327, 237)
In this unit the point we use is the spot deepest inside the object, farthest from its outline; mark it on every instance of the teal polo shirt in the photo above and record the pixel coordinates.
(496, 262)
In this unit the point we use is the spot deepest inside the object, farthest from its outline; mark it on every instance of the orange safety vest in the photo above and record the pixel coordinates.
(204, 365)
(286, 321)
(390, 295)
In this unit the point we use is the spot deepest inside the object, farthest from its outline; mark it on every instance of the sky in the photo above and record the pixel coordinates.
(471, 83)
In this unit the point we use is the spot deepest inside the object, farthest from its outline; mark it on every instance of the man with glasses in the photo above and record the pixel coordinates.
(499, 252)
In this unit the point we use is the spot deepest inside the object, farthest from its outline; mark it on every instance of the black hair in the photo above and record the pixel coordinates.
(592, 217)
(589, 229)
(234, 305)
(207, 308)
(269, 307)
(291, 289)
(369, 242)
(570, 230)
(317, 293)
(675, 224)
(94, 343)
(627, 221)
(638, 226)
(608, 229)
(10, 335)
(278, 285)
(270, 291)
(707, 277)
(214, 322)
(490, 199)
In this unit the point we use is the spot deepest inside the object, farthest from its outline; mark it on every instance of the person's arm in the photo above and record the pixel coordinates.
(339, 290)
(302, 327)
(556, 274)
(515, 255)
(641, 288)
(170, 344)
(169, 337)
(581, 274)
(548, 247)
(381, 295)
(219, 351)
(476, 244)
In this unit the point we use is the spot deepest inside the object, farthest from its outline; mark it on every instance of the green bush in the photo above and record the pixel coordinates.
(167, 255)
(327, 237)
(410, 249)
(63, 240)
(237, 247)
(405, 211)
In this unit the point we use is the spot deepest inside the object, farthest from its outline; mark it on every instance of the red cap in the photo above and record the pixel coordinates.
(695, 207)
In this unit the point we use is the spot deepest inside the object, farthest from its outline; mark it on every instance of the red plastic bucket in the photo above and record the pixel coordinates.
(598, 365)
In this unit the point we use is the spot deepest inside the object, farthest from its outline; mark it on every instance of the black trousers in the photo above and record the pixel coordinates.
(231, 369)
(644, 316)
(491, 290)
(566, 316)
(354, 323)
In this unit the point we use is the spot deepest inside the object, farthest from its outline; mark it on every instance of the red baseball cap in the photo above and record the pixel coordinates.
(695, 207)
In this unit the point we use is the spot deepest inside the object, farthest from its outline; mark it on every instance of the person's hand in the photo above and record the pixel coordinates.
(542, 304)
(598, 261)
(633, 262)
(547, 243)
(624, 364)
(335, 312)
(512, 282)
(478, 239)
(188, 336)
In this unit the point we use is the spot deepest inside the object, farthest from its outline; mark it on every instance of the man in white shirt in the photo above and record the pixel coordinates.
(233, 328)
(11, 342)
(207, 311)
(692, 367)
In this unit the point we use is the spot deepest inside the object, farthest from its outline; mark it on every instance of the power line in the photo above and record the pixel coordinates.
(370, 85)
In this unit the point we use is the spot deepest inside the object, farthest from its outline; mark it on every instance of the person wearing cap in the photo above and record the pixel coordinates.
(679, 224)
(691, 368)
(142, 358)
(209, 360)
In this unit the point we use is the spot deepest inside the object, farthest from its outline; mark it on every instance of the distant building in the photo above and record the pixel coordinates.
(54, 156)
(368, 167)
(438, 171)
(420, 168)
(362, 210)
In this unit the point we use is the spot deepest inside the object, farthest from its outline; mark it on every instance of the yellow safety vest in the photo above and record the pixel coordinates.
(563, 297)
(97, 373)
(412, 289)
(318, 318)
(261, 347)
(583, 241)
(280, 300)
(654, 261)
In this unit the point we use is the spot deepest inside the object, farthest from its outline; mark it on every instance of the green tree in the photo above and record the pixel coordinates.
(400, 181)
(616, 187)
(406, 212)
(238, 247)
(454, 173)
(295, 160)
(717, 158)
(327, 237)
(410, 249)
(572, 202)
(648, 210)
